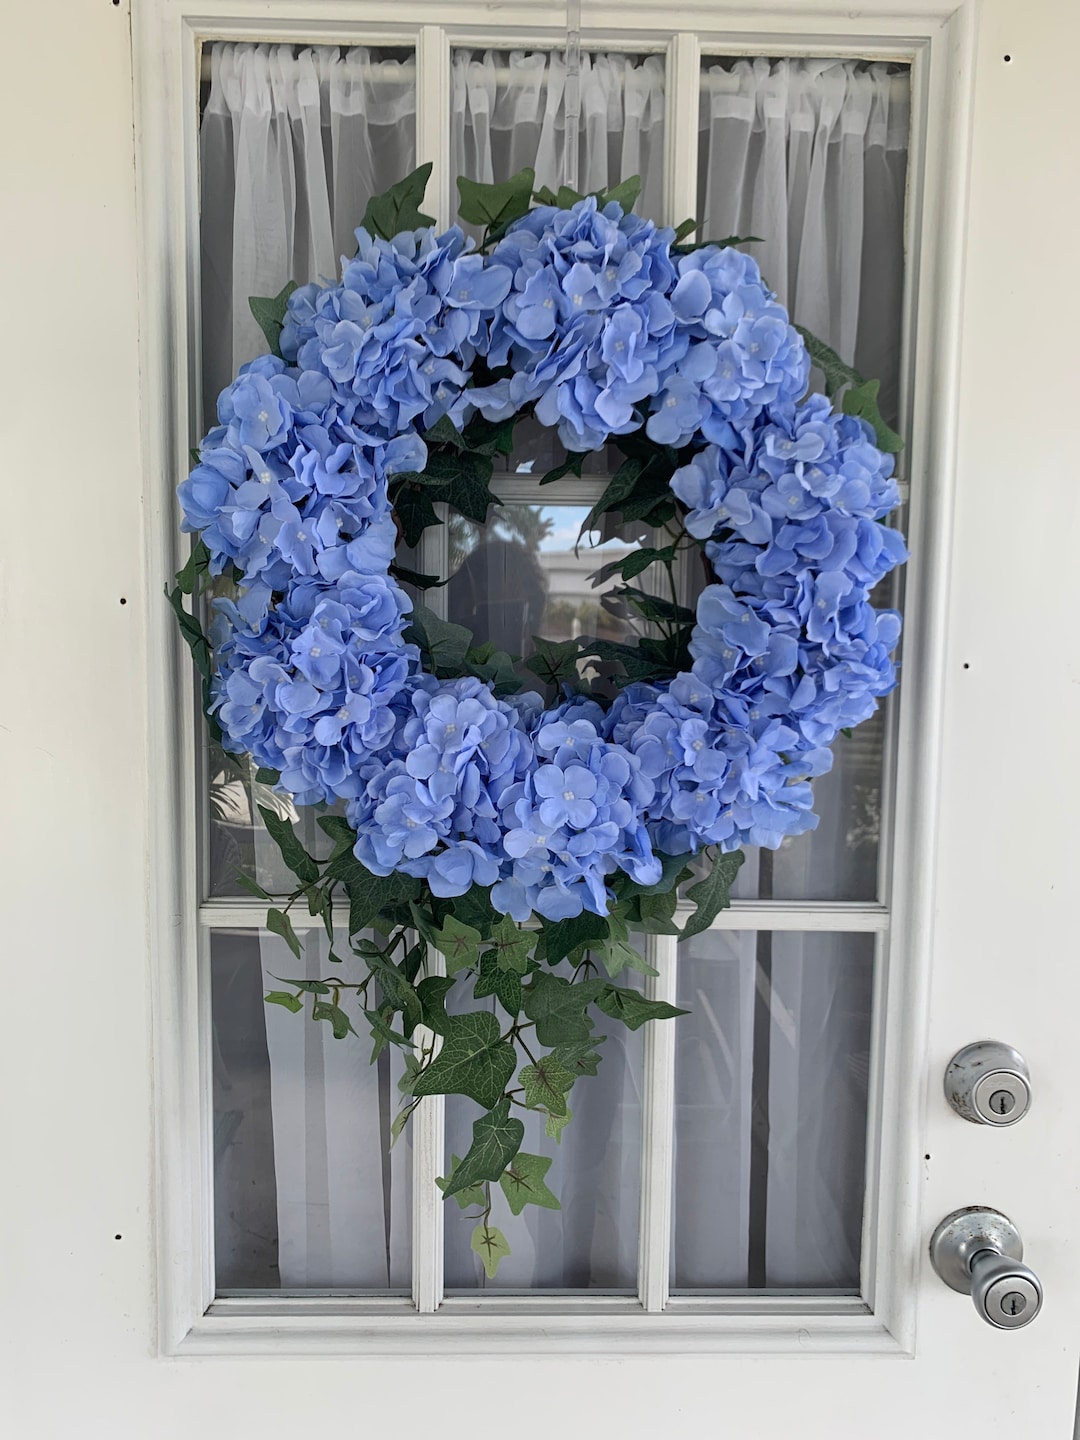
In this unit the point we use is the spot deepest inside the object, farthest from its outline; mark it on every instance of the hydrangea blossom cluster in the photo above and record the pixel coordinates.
(605, 331)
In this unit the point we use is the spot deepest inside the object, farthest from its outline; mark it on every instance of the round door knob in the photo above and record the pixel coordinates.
(979, 1252)
(988, 1083)
(1006, 1292)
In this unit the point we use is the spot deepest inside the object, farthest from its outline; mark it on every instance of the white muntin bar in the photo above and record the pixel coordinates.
(658, 1130)
(428, 1124)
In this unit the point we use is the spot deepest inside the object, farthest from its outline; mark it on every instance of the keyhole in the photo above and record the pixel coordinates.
(1014, 1303)
(1002, 1102)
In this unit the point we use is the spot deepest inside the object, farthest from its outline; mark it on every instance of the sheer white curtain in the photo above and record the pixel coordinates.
(810, 155)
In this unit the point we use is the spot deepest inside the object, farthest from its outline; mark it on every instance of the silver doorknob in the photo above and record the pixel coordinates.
(979, 1252)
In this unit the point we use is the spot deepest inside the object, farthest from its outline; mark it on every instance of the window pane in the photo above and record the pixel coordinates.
(519, 576)
(307, 1194)
(770, 1124)
(591, 1243)
(294, 140)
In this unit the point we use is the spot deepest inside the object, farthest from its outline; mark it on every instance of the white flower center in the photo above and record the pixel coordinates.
(300, 535)
(568, 794)
(264, 415)
(264, 476)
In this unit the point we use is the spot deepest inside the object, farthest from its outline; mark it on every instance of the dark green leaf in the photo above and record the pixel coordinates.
(505, 985)
(554, 661)
(474, 1061)
(269, 312)
(293, 853)
(497, 1139)
(683, 230)
(197, 565)
(658, 911)
(443, 645)
(836, 372)
(712, 894)
(433, 992)
(416, 578)
(339, 1022)
(383, 1035)
(563, 937)
(471, 1195)
(558, 1007)
(251, 886)
(490, 437)
(340, 832)
(192, 633)
(463, 482)
(862, 400)
(546, 1084)
(633, 1009)
(282, 997)
(444, 432)
(370, 895)
(495, 205)
(398, 994)
(634, 563)
(415, 512)
(625, 194)
(398, 208)
(280, 924)
(570, 466)
(475, 908)
(308, 987)
(265, 776)
(580, 1056)
(615, 492)
(653, 607)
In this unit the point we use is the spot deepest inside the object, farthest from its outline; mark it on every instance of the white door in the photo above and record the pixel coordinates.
(117, 1324)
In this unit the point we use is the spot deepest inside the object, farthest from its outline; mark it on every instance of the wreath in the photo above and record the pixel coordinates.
(527, 841)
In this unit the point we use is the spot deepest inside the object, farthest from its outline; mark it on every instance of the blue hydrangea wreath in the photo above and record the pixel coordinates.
(391, 389)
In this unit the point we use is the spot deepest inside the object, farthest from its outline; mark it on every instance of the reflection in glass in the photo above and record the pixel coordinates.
(307, 1193)
(522, 576)
(772, 1070)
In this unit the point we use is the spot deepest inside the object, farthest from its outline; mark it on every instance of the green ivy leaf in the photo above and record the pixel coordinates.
(572, 465)
(687, 227)
(292, 852)
(505, 985)
(459, 944)
(497, 1139)
(862, 400)
(491, 1245)
(512, 945)
(196, 566)
(192, 633)
(461, 481)
(556, 1124)
(471, 1195)
(265, 776)
(398, 208)
(415, 512)
(634, 563)
(558, 1007)
(836, 372)
(339, 1022)
(445, 432)
(397, 993)
(474, 1061)
(546, 1084)
(278, 922)
(619, 955)
(625, 194)
(269, 313)
(580, 1057)
(308, 987)
(633, 1009)
(416, 578)
(370, 895)
(433, 992)
(282, 997)
(563, 937)
(713, 893)
(443, 645)
(252, 886)
(340, 832)
(475, 908)
(616, 491)
(383, 1035)
(490, 437)
(554, 661)
(496, 206)
(523, 1183)
(657, 913)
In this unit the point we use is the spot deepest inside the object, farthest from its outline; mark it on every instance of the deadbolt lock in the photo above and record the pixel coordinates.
(988, 1083)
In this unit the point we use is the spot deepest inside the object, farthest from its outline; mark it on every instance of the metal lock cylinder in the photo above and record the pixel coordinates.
(989, 1083)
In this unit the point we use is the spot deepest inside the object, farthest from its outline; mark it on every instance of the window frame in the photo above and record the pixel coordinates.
(937, 42)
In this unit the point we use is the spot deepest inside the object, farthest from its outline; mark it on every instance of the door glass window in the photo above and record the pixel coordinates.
(769, 1122)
